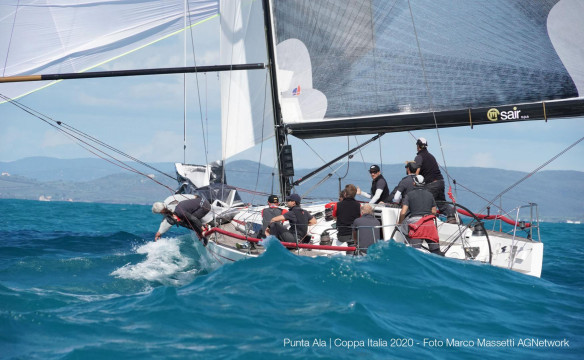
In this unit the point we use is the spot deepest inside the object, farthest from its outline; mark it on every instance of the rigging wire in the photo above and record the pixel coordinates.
(205, 145)
(531, 173)
(227, 117)
(320, 157)
(185, 83)
(426, 84)
(348, 160)
(380, 155)
(492, 202)
(361, 153)
(78, 135)
(262, 142)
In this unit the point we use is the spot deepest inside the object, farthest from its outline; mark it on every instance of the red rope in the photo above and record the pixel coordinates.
(492, 217)
(286, 244)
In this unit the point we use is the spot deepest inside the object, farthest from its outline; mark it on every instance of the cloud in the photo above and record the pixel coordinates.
(53, 138)
(483, 159)
(163, 146)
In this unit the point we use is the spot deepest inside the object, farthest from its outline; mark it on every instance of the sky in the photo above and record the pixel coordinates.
(144, 117)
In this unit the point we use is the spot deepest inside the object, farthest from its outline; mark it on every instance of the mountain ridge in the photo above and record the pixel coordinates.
(558, 192)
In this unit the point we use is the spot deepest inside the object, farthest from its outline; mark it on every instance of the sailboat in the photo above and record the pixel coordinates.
(314, 69)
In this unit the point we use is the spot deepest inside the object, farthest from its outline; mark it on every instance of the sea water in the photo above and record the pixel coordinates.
(86, 281)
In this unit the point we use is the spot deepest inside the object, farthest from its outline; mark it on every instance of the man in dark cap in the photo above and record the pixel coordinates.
(298, 218)
(271, 212)
(429, 169)
(379, 189)
(406, 183)
(268, 213)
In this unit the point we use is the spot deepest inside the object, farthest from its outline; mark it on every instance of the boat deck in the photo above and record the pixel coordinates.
(504, 235)
(232, 243)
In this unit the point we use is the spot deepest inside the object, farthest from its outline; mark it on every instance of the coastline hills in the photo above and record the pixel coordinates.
(558, 193)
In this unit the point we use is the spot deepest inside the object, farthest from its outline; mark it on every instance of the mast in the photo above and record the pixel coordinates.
(284, 159)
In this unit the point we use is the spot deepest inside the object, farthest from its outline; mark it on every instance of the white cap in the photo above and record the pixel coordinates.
(158, 207)
(422, 141)
(419, 180)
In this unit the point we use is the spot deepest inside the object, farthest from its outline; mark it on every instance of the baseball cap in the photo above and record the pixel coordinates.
(374, 169)
(419, 180)
(273, 199)
(422, 141)
(411, 165)
(158, 207)
(293, 197)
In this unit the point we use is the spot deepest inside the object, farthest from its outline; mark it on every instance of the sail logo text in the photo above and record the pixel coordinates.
(494, 114)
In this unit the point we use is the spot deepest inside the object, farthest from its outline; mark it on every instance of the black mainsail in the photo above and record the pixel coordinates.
(389, 66)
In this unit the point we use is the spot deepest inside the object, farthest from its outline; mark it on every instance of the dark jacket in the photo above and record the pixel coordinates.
(380, 183)
(429, 168)
(347, 211)
(298, 219)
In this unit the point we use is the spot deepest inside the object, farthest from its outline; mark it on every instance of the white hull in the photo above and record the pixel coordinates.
(456, 241)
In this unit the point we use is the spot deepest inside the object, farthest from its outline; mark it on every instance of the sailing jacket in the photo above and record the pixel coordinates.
(429, 168)
(298, 219)
(380, 183)
(347, 211)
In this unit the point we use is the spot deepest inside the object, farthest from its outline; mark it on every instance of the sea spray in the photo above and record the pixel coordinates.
(170, 261)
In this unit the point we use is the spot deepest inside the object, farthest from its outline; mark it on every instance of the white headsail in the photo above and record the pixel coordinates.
(69, 36)
(246, 99)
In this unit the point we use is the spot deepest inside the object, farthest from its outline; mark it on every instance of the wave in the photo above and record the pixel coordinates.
(171, 261)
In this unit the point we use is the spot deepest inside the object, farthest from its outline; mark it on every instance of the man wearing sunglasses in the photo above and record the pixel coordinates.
(379, 189)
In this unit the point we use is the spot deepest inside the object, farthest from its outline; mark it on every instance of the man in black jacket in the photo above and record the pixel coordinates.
(187, 213)
(379, 189)
(429, 169)
(298, 218)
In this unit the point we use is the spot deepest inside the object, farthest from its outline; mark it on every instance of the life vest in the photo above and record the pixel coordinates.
(384, 194)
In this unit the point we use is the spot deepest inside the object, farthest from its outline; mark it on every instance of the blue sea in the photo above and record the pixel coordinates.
(86, 281)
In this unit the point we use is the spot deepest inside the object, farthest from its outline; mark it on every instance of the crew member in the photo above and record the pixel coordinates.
(182, 211)
(366, 229)
(270, 212)
(347, 210)
(429, 169)
(379, 189)
(406, 183)
(416, 205)
(298, 218)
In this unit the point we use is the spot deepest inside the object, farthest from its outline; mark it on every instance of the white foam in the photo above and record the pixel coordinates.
(164, 263)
